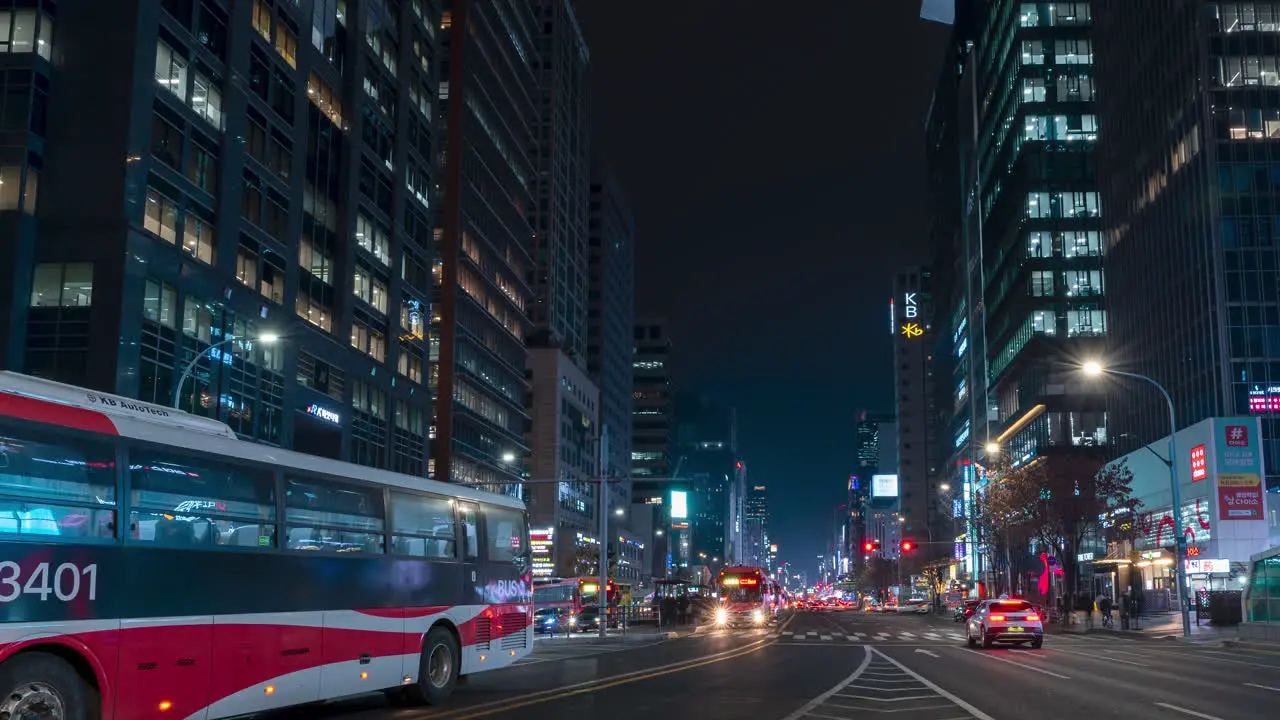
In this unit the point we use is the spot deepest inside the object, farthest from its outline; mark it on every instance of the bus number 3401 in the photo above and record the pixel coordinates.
(64, 583)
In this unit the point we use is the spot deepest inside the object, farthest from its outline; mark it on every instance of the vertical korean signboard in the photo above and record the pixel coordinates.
(1238, 461)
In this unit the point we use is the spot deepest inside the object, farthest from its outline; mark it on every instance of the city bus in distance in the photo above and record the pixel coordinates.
(744, 597)
(570, 596)
(152, 565)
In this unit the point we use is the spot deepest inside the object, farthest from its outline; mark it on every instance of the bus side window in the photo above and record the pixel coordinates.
(467, 517)
(506, 534)
(196, 502)
(323, 515)
(422, 526)
(49, 490)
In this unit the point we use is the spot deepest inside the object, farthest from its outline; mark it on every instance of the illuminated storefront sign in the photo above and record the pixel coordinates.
(1264, 400)
(541, 541)
(1208, 565)
(1199, 464)
(324, 414)
(1239, 466)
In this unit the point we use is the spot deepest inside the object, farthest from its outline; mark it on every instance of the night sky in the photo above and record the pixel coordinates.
(774, 155)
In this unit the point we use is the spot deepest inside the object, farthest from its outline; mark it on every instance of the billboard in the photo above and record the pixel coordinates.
(541, 542)
(679, 505)
(884, 486)
(1238, 461)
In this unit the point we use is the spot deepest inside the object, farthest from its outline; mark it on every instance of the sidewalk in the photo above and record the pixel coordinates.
(1165, 626)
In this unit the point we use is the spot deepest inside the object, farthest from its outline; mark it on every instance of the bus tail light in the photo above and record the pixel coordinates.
(165, 705)
(270, 689)
(364, 676)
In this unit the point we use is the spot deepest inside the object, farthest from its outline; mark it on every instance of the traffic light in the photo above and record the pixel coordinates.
(871, 545)
(908, 546)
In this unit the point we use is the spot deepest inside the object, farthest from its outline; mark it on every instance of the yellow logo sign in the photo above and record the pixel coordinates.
(912, 330)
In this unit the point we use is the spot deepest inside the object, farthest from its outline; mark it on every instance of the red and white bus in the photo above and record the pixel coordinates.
(155, 566)
(744, 597)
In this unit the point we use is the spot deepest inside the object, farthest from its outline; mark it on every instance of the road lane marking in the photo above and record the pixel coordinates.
(470, 713)
(786, 633)
(1018, 664)
(925, 652)
(884, 700)
(1185, 711)
(851, 638)
(1263, 687)
(862, 667)
(1095, 657)
(588, 685)
(906, 634)
(975, 712)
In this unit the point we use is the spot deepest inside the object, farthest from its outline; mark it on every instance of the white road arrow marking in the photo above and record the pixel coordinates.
(926, 652)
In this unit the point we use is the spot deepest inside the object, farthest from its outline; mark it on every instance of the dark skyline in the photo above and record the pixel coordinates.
(775, 161)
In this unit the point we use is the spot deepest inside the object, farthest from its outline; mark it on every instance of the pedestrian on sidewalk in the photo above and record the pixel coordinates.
(1126, 607)
(1104, 607)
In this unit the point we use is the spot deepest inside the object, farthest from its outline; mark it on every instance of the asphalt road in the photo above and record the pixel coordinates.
(847, 665)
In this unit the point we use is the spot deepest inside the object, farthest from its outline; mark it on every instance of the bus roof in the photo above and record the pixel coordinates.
(55, 403)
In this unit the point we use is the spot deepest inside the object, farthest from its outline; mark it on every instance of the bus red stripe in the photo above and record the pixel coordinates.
(55, 414)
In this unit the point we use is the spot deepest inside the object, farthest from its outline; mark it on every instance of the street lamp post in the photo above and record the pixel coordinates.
(1095, 369)
(266, 339)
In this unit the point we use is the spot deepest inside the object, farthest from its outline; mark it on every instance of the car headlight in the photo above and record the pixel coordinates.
(573, 621)
(722, 616)
(757, 617)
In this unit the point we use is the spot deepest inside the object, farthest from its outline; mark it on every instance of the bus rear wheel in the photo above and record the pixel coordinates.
(42, 686)
(438, 669)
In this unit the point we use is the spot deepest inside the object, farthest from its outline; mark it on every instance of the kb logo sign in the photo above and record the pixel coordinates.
(910, 314)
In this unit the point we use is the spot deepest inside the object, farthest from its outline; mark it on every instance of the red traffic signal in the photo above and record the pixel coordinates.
(908, 546)
(871, 545)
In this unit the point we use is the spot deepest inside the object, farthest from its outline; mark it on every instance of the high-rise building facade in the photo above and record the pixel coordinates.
(704, 438)
(867, 433)
(916, 412)
(652, 423)
(563, 440)
(209, 173)
(1190, 173)
(489, 105)
(611, 319)
(1028, 302)
(560, 215)
(653, 450)
(755, 532)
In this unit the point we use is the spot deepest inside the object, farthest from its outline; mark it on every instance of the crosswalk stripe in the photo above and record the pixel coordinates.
(825, 637)
(851, 638)
(787, 633)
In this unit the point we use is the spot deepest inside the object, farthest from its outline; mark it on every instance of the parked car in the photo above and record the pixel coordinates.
(966, 610)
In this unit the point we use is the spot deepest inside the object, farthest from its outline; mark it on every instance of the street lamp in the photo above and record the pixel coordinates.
(265, 339)
(1093, 368)
(992, 448)
(508, 457)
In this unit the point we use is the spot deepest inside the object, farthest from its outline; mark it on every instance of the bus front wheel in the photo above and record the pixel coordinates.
(45, 687)
(437, 670)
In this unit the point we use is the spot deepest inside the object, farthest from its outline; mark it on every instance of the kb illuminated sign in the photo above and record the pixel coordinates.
(911, 313)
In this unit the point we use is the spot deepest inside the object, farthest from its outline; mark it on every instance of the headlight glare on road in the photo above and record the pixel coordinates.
(757, 617)
(722, 616)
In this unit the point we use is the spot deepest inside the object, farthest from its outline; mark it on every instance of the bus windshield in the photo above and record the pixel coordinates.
(742, 594)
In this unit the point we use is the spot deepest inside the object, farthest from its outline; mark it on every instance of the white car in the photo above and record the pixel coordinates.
(1004, 621)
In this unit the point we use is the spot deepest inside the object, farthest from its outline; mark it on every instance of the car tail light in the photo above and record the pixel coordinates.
(1033, 618)
(996, 618)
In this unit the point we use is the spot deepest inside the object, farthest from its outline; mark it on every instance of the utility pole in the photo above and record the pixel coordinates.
(603, 593)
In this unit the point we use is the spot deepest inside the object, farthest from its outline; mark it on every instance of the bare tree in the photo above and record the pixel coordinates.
(1060, 501)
